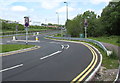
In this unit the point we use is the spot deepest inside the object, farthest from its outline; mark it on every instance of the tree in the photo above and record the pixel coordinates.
(110, 18)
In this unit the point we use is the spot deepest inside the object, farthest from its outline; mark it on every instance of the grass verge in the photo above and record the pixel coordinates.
(110, 62)
(13, 47)
(111, 39)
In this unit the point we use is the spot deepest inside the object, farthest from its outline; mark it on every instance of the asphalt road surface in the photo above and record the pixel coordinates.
(53, 61)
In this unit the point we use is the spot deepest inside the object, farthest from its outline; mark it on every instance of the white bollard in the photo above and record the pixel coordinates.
(37, 38)
(14, 38)
(37, 33)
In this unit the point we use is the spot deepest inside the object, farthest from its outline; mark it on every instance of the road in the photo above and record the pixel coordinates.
(53, 61)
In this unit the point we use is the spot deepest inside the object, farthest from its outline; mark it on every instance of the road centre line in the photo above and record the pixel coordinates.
(89, 67)
(11, 68)
(50, 55)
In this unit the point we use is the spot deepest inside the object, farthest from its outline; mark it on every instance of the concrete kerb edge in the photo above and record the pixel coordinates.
(97, 68)
(19, 51)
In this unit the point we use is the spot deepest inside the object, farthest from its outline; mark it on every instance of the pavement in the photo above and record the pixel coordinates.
(53, 61)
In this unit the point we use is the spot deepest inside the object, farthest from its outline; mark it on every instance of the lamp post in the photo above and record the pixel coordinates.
(57, 17)
(58, 22)
(66, 14)
(66, 10)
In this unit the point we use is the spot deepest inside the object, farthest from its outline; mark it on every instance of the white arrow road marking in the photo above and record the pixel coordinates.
(11, 68)
(50, 55)
(67, 46)
(62, 46)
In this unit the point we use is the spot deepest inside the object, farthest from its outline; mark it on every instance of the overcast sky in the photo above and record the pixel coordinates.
(45, 10)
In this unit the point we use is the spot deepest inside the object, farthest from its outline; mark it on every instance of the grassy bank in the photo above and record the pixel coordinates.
(110, 62)
(115, 40)
(13, 47)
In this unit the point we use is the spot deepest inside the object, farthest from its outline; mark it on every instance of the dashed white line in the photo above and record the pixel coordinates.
(50, 55)
(11, 68)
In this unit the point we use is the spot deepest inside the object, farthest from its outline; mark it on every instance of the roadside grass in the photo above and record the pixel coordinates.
(110, 62)
(57, 35)
(13, 47)
(111, 39)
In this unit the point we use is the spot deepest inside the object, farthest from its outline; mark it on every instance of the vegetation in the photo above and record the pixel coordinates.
(10, 27)
(111, 39)
(108, 62)
(12, 47)
(105, 25)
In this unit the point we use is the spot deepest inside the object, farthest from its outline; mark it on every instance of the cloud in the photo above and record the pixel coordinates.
(47, 4)
(99, 1)
(63, 9)
(19, 8)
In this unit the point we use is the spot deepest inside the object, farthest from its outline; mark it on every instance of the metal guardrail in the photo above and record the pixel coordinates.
(87, 40)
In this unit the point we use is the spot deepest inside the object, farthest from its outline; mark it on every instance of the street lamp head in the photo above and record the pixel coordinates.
(65, 2)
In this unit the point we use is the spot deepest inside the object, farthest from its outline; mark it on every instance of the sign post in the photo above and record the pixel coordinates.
(26, 28)
(85, 24)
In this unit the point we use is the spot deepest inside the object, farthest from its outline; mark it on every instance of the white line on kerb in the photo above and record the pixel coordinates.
(50, 55)
(11, 68)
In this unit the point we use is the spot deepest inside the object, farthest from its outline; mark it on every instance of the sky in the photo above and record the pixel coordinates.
(44, 11)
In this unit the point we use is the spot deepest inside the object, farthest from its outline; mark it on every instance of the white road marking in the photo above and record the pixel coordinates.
(11, 68)
(67, 46)
(62, 46)
(50, 55)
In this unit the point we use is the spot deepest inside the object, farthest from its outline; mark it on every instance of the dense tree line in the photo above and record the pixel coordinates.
(106, 24)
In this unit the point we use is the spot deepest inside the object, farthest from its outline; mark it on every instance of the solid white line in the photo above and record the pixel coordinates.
(50, 55)
(67, 46)
(11, 68)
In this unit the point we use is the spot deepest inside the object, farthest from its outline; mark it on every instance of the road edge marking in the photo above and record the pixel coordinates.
(91, 67)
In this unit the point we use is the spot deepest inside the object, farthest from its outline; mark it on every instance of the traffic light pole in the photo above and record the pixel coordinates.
(26, 35)
(85, 32)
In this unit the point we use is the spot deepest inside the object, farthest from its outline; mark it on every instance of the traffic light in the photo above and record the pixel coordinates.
(26, 21)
